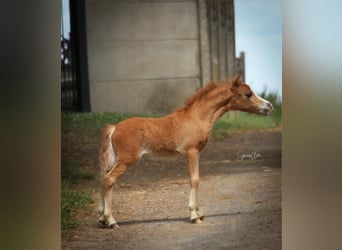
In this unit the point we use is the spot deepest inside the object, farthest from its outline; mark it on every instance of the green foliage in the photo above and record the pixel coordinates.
(72, 202)
(276, 102)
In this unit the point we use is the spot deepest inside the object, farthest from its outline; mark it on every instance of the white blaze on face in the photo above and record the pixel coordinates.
(264, 106)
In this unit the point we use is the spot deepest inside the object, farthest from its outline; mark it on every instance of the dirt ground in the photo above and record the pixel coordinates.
(240, 194)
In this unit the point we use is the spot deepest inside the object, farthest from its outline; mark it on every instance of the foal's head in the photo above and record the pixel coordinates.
(244, 99)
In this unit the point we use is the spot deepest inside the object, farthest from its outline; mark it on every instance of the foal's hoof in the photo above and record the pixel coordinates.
(102, 222)
(196, 221)
(114, 225)
(200, 215)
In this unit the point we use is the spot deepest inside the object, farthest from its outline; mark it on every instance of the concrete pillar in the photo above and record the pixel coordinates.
(204, 42)
(240, 65)
(221, 29)
(230, 38)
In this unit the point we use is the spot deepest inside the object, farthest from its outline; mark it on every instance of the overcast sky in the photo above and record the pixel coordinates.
(258, 32)
(65, 26)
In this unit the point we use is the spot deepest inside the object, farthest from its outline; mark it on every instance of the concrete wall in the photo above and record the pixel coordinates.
(148, 56)
(143, 56)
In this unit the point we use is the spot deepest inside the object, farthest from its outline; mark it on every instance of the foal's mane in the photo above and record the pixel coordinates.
(200, 93)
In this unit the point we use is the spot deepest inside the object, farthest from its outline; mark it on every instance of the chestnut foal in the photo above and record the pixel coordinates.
(184, 132)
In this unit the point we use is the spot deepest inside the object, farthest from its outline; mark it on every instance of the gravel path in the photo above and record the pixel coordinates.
(240, 193)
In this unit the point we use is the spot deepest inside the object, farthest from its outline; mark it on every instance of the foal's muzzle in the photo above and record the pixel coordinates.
(268, 109)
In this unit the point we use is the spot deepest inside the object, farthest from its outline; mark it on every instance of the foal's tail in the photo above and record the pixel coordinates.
(107, 155)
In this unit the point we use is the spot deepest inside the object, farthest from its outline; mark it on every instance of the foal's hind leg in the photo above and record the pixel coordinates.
(192, 157)
(102, 219)
(107, 193)
(108, 182)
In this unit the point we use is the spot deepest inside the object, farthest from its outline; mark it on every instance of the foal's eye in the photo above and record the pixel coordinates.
(248, 95)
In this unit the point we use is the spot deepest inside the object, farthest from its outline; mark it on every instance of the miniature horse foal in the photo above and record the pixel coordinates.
(184, 132)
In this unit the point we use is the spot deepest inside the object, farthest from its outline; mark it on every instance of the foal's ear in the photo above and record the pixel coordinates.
(236, 82)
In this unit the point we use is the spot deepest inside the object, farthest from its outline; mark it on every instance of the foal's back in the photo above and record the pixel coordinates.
(165, 136)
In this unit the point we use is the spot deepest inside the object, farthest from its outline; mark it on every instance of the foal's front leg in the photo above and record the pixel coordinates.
(192, 157)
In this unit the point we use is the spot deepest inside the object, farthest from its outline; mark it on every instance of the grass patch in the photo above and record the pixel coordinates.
(71, 171)
(229, 124)
(90, 123)
(87, 125)
(73, 201)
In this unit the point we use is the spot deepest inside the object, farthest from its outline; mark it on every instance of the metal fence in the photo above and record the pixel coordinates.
(74, 65)
(69, 89)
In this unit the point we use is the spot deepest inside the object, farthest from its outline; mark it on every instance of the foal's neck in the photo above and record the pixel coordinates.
(209, 109)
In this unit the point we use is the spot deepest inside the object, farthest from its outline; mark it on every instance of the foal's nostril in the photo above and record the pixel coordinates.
(269, 105)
